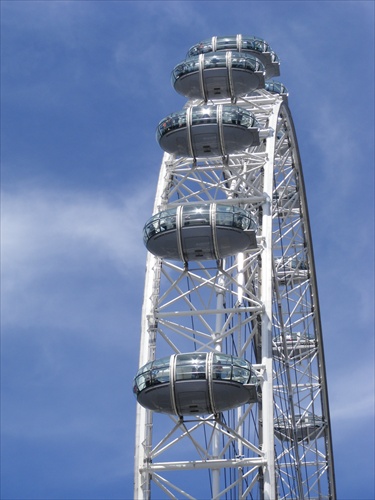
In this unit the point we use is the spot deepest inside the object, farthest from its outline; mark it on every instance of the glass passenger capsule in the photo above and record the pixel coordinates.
(308, 427)
(253, 45)
(291, 270)
(218, 75)
(297, 344)
(200, 232)
(195, 383)
(286, 199)
(276, 88)
(202, 131)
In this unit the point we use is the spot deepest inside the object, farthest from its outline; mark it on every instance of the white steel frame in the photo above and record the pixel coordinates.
(239, 305)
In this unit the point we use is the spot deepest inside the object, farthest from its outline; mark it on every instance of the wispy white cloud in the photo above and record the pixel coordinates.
(55, 241)
(72, 279)
(73, 261)
(347, 387)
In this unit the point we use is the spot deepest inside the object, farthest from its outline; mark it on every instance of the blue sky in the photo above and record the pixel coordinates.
(84, 84)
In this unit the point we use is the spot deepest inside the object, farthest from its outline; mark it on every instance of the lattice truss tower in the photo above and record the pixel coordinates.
(261, 305)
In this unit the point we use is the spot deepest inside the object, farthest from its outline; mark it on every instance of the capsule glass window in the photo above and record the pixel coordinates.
(196, 215)
(190, 367)
(222, 367)
(226, 43)
(171, 122)
(203, 114)
(241, 371)
(276, 87)
(201, 48)
(163, 221)
(160, 371)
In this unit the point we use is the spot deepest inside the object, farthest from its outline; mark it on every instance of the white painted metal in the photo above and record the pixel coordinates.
(267, 296)
(239, 305)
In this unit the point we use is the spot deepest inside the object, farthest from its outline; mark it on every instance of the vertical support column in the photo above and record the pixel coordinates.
(241, 282)
(143, 432)
(220, 303)
(266, 329)
(266, 333)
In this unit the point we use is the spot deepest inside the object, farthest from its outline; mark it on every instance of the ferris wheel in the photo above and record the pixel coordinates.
(231, 389)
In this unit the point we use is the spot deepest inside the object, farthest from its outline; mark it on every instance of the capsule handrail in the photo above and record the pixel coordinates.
(276, 87)
(224, 367)
(243, 61)
(295, 337)
(231, 115)
(225, 216)
(233, 43)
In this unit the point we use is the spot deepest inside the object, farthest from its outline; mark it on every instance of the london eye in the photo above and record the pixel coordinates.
(231, 390)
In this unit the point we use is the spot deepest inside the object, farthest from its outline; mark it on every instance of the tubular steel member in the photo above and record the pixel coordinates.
(216, 290)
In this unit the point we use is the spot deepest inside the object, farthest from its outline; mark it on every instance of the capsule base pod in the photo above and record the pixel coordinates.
(195, 383)
(204, 131)
(200, 232)
(218, 75)
(197, 243)
(193, 397)
(205, 140)
(297, 345)
(252, 45)
(293, 270)
(308, 427)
